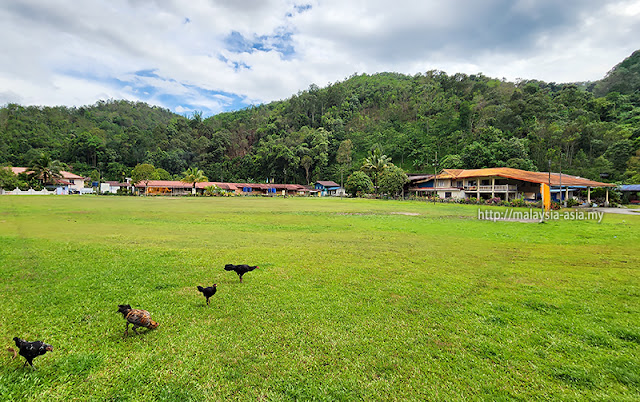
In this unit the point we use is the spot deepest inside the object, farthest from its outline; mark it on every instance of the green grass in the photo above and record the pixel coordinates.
(353, 301)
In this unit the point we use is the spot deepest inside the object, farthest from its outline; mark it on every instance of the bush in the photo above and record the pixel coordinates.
(518, 202)
(572, 203)
(214, 190)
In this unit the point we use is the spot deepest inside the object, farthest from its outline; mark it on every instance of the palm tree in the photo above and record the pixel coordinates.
(374, 164)
(45, 169)
(193, 175)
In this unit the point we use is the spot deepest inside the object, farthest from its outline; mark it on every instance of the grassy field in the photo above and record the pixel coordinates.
(354, 300)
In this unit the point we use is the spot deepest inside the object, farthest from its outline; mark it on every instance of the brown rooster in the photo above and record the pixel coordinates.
(139, 318)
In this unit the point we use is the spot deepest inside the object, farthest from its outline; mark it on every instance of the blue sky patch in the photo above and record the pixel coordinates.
(280, 42)
(147, 73)
(193, 99)
(301, 8)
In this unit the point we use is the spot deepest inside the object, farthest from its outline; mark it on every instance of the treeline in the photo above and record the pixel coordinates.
(423, 123)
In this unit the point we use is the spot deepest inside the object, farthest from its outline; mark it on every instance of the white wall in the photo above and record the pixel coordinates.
(456, 194)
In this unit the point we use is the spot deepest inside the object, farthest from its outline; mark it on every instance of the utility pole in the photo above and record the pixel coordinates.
(564, 204)
(435, 175)
(549, 186)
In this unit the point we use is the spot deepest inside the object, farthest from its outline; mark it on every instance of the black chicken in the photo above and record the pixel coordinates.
(240, 269)
(31, 350)
(208, 291)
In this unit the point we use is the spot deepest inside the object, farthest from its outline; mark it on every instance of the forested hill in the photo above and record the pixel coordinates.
(469, 121)
(623, 78)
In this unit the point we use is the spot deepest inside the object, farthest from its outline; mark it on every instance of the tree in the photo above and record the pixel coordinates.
(193, 175)
(45, 169)
(477, 156)
(95, 175)
(88, 147)
(8, 180)
(162, 174)
(374, 164)
(359, 183)
(116, 171)
(143, 172)
(519, 163)
(306, 162)
(601, 166)
(392, 180)
(633, 169)
(344, 157)
(275, 155)
(453, 161)
(619, 153)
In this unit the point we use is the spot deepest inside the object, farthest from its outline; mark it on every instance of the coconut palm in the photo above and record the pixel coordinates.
(193, 175)
(45, 169)
(375, 164)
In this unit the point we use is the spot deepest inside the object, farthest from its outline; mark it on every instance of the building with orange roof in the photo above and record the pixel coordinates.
(175, 187)
(69, 182)
(504, 183)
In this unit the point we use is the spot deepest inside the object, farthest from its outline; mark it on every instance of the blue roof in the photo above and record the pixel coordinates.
(630, 187)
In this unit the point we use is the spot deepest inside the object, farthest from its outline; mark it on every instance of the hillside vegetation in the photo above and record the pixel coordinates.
(471, 121)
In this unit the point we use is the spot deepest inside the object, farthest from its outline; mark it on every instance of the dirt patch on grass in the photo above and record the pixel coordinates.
(406, 213)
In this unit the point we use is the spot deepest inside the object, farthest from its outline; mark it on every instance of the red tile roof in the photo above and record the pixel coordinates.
(224, 186)
(64, 173)
(164, 184)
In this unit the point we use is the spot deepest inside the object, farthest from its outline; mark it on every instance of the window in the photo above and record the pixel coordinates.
(447, 194)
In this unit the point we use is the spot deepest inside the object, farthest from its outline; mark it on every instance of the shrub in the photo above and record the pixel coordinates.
(572, 203)
(215, 191)
(518, 202)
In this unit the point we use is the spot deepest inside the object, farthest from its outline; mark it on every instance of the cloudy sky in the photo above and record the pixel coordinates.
(220, 55)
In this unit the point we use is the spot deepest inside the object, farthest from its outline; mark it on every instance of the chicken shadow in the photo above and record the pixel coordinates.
(120, 336)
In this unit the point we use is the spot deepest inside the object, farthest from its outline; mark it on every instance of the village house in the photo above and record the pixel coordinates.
(503, 183)
(67, 184)
(173, 187)
(113, 187)
(327, 187)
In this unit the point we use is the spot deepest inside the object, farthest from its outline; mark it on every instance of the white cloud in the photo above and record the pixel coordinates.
(73, 53)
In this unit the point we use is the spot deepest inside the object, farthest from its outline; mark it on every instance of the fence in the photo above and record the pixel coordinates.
(30, 191)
